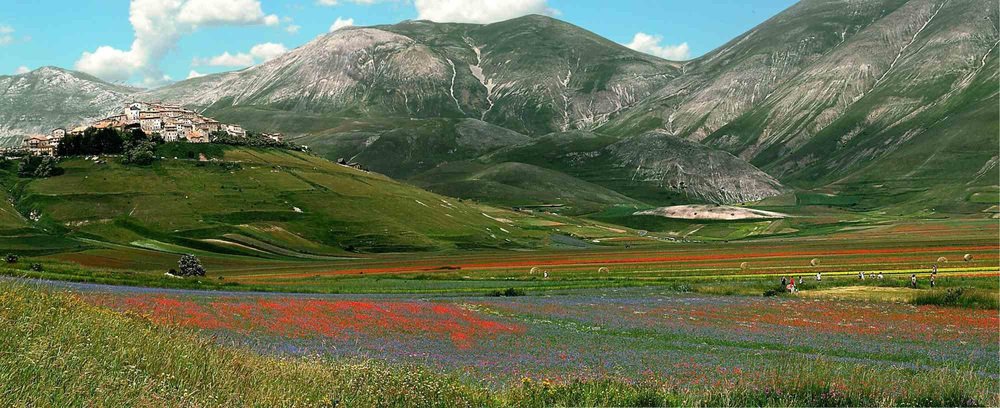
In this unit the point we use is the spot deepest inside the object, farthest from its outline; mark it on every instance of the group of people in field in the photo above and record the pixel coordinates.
(790, 285)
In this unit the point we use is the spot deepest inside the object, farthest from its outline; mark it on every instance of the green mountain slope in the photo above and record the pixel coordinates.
(519, 184)
(255, 202)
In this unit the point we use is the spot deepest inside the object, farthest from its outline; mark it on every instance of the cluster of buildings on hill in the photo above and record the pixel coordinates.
(172, 123)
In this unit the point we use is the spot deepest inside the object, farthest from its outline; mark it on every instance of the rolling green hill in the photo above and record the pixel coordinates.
(259, 202)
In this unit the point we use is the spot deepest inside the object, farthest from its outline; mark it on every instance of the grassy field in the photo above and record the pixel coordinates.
(60, 350)
(387, 295)
(252, 202)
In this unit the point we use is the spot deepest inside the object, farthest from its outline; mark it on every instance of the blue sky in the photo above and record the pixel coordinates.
(179, 38)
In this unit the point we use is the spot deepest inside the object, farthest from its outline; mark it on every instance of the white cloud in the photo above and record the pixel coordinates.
(158, 26)
(22, 70)
(650, 44)
(109, 64)
(479, 11)
(293, 29)
(6, 34)
(341, 23)
(225, 60)
(223, 12)
(267, 51)
(194, 74)
(259, 53)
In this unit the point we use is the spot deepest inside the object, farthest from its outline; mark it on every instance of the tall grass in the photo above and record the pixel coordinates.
(960, 297)
(56, 350)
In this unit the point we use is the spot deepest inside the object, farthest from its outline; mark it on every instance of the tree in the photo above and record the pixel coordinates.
(140, 153)
(92, 142)
(190, 265)
(38, 167)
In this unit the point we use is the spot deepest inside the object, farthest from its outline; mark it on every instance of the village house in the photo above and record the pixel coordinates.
(173, 123)
(39, 145)
(170, 133)
(277, 137)
(236, 130)
(197, 136)
(151, 122)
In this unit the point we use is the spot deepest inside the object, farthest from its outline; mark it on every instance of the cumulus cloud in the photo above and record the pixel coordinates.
(650, 44)
(22, 70)
(221, 12)
(293, 29)
(158, 26)
(6, 34)
(110, 64)
(479, 11)
(267, 51)
(341, 23)
(258, 53)
(225, 60)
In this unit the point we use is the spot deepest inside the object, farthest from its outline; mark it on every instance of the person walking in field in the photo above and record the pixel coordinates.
(932, 281)
(784, 281)
(819, 277)
(861, 275)
(913, 281)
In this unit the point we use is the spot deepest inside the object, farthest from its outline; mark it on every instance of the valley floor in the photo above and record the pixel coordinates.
(666, 324)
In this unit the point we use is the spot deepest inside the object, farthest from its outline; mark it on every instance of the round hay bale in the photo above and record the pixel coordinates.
(942, 260)
(603, 269)
(533, 270)
(744, 266)
(967, 257)
(814, 262)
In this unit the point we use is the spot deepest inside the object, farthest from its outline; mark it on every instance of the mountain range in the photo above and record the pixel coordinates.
(892, 102)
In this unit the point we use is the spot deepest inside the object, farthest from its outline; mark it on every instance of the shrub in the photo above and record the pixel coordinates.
(190, 265)
(509, 292)
(11, 258)
(141, 153)
(37, 267)
(38, 167)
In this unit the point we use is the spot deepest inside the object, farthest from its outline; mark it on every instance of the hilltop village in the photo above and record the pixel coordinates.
(172, 123)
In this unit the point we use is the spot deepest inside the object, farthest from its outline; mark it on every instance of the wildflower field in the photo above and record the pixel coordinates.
(686, 343)
(672, 324)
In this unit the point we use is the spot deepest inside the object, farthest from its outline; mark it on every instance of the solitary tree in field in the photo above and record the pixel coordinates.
(190, 265)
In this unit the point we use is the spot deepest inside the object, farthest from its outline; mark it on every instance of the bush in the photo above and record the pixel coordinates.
(140, 153)
(37, 267)
(11, 258)
(38, 167)
(190, 265)
(509, 292)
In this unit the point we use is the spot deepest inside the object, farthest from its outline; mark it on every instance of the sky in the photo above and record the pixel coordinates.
(151, 43)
